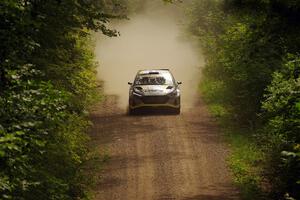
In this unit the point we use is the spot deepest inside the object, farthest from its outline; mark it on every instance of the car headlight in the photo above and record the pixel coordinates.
(174, 93)
(137, 91)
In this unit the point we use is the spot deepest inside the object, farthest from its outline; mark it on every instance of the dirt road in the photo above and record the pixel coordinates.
(161, 157)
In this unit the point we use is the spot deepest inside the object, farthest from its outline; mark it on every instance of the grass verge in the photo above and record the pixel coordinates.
(245, 163)
(245, 159)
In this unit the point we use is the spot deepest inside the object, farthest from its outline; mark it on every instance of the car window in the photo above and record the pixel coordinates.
(156, 79)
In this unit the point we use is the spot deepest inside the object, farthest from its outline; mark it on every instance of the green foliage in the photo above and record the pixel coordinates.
(252, 73)
(244, 159)
(42, 140)
(47, 84)
(212, 92)
(30, 112)
(283, 127)
(235, 52)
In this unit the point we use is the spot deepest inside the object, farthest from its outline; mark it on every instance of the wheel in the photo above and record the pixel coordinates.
(131, 111)
(177, 111)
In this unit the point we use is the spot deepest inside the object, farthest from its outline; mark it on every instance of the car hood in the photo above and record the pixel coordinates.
(154, 90)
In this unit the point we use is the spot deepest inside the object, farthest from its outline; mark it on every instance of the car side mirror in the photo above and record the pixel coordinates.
(179, 82)
(129, 83)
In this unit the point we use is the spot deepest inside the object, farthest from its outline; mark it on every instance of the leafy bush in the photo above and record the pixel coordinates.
(47, 84)
(283, 127)
(31, 112)
(243, 161)
(249, 75)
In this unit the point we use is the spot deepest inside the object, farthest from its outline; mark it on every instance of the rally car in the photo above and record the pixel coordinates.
(155, 89)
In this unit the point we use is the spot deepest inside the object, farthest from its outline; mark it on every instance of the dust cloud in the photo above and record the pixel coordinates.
(153, 39)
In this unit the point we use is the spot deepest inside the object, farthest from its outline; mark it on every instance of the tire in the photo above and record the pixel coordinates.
(131, 111)
(177, 111)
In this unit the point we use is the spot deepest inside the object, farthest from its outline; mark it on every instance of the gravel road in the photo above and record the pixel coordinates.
(160, 156)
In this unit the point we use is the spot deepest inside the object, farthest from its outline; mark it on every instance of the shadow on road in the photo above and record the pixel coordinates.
(159, 156)
(149, 112)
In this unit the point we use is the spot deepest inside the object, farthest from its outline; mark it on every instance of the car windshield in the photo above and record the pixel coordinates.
(157, 79)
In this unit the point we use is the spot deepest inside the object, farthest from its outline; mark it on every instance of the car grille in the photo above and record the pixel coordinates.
(155, 99)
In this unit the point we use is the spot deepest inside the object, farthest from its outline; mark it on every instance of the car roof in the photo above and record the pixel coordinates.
(153, 71)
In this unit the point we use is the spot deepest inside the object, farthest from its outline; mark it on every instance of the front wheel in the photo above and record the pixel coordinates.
(177, 111)
(131, 111)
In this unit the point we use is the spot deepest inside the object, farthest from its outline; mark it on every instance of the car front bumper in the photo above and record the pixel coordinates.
(165, 101)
